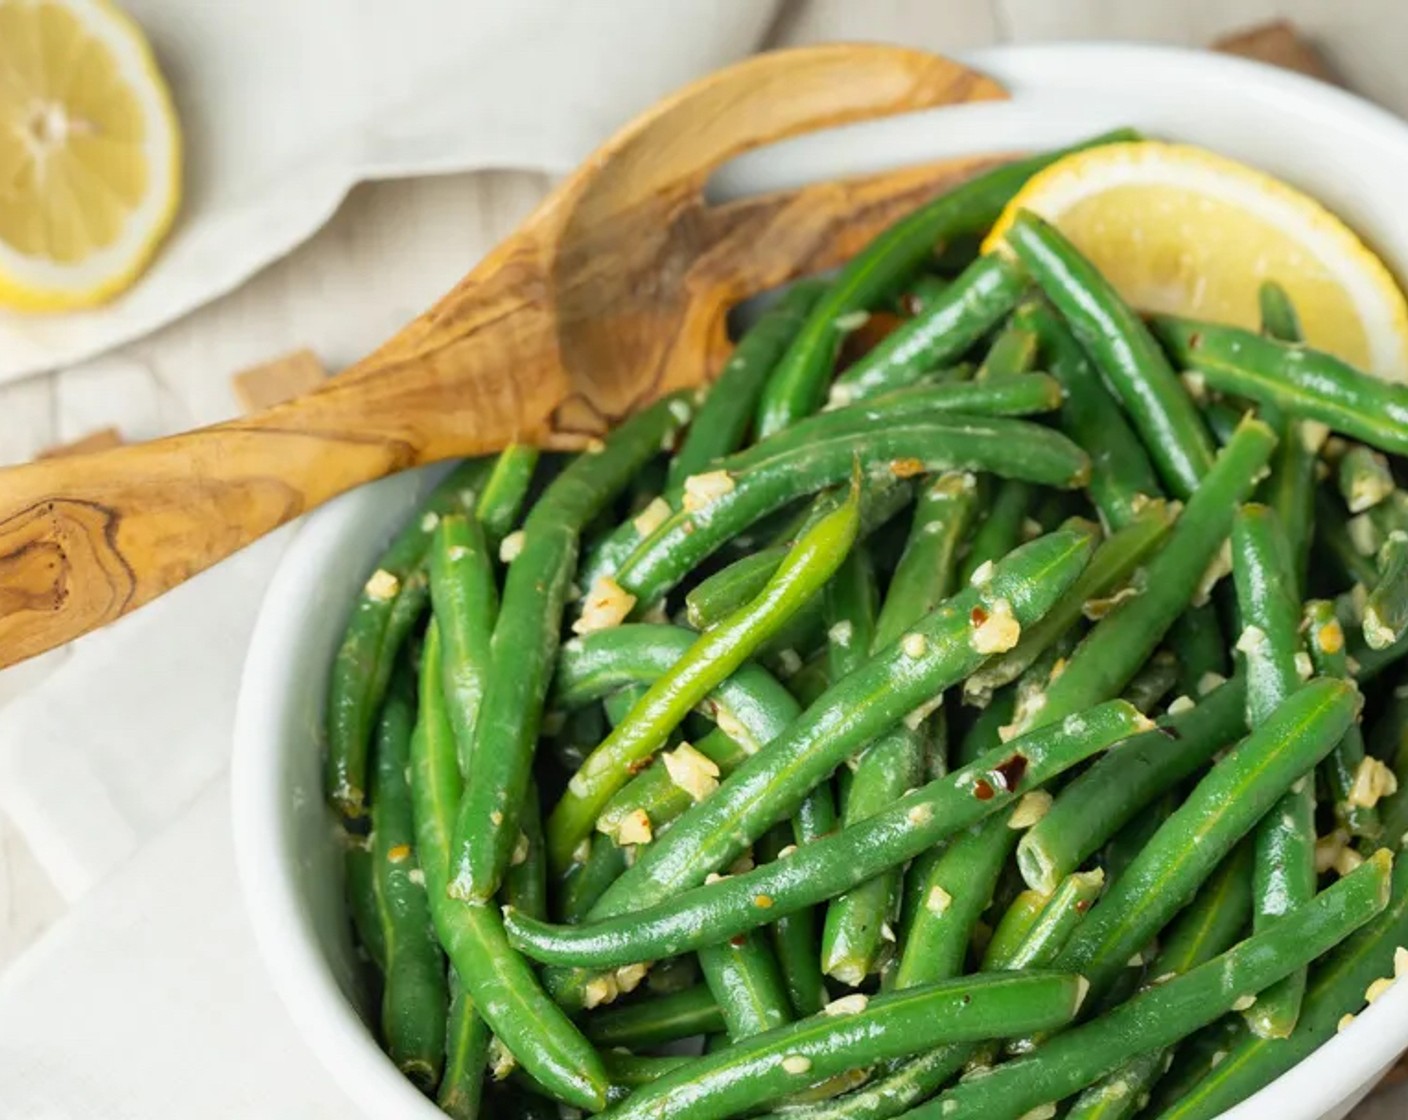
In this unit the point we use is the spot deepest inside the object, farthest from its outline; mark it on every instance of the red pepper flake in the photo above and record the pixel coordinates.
(738, 940)
(906, 468)
(983, 790)
(639, 764)
(977, 616)
(1082, 905)
(1012, 770)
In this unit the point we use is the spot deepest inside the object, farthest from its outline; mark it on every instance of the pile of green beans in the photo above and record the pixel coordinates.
(962, 723)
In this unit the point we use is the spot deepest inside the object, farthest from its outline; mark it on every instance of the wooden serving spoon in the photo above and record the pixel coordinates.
(612, 292)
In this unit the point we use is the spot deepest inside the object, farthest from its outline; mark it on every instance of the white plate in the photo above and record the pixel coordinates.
(1339, 148)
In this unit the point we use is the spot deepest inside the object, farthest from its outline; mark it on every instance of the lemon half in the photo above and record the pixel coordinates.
(1179, 229)
(90, 153)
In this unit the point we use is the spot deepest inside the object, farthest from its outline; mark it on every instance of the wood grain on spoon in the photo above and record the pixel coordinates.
(612, 292)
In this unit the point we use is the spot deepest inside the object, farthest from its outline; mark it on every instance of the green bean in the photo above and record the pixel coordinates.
(1112, 652)
(414, 999)
(587, 880)
(919, 294)
(526, 880)
(769, 786)
(1153, 682)
(1221, 809)
(771, 1066)
(1112, 792)
(794, 939)
(1126, 844)
(525, 642)
(1386, 612)
(655, 792)
(1300, 381)
(466, 1050)
(1337, 988)
(1012, 448)
(506, 489)
(1270, 643)
(998, 397)
(711, 659)
(1325, 641)
(1163, 1014)
(465, 598)
(1115, 561)
(798, 383)
(388, 605)
(657, 1020)
(1126, 354)
(950, 890)
(722, 593)
(1214, 921)
(1000, 530)
(1195, 1057)
(854, 936)
(1121, 476)
(1202, 649)
(977, 300)
(1013, 351)
(1364, 478)
(722, 422)
(919, 1078)
(362, 903)
(834, 863)
(504, 987)
(746, 981)
(1064, 910)
(925, 575)
(1278, 313)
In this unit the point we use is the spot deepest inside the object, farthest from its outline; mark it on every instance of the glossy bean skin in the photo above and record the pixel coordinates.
(746, 982)
(1211, 924)
(504, 987)
(1296, 379)
(461, 1090)
(465, 597)
(1336, 988)
(1108, 795)
(795, 937)
(386, 609)
(1013, 351)
(1121, 476)
(505, 490)
(657, 1020)
(525, 643)
(1263, 572)
(854, 936)
(832, 864)
(711, 658)
(1013, 448)
(798, 385)
(722, 421)
(868, 701)
(1127, 355)
(1220, 810)
(770, 1066)
(1161, 1015)
(980, 298)
(414, 997)
(1113, 651)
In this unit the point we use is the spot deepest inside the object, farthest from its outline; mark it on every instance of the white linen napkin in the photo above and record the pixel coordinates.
(285, 106)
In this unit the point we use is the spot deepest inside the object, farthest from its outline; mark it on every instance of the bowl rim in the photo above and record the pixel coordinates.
(1333, 1075)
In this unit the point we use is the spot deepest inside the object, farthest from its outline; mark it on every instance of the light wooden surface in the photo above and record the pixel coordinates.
(393, 247)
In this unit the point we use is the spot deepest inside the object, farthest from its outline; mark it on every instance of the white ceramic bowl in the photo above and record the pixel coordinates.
(1344, 151)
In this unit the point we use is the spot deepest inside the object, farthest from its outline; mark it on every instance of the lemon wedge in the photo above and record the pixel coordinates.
(1179, 229)
(90, 153)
